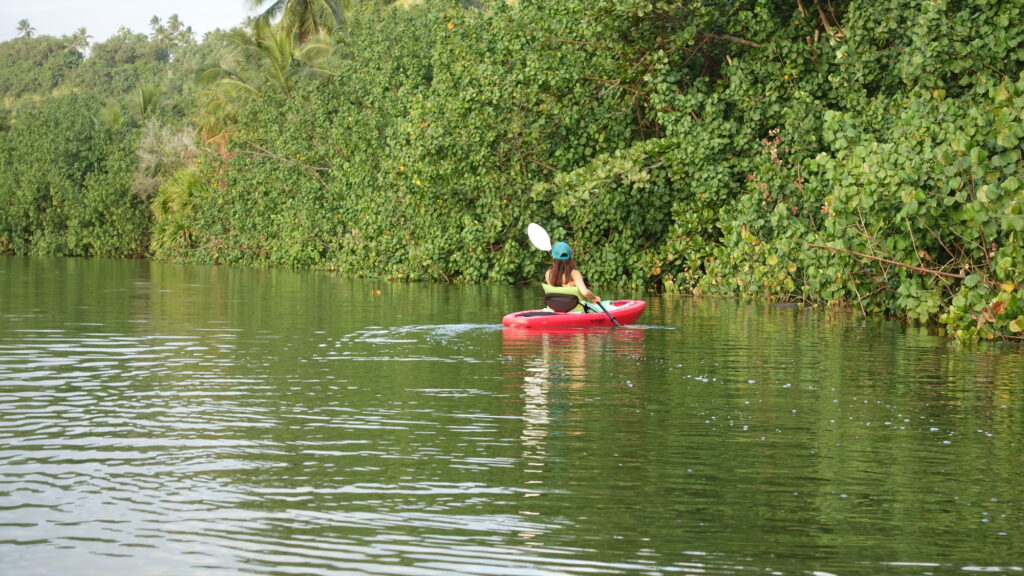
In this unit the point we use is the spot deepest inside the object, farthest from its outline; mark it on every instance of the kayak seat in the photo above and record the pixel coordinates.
(561, 302)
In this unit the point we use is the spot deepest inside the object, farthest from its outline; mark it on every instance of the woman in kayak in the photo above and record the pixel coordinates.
(564, 288)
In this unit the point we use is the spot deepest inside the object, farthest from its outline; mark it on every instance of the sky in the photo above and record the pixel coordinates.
(102, 18)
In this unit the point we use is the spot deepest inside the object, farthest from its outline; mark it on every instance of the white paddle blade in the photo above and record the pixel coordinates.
(539, 237)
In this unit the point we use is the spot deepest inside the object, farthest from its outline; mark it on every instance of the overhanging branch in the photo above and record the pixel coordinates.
(920, 269)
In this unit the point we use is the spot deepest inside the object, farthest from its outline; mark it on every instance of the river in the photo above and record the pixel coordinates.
(168, 419)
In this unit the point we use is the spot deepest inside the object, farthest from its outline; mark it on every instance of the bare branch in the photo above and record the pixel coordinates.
(268, 154)
(920, 269)
(733, 39)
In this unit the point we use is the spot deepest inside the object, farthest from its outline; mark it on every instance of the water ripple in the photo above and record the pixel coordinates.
(216, 422)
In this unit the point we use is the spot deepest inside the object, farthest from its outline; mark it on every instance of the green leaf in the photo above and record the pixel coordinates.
(1007, 139)
(1014, 222)
(978, 155)
(1017, 325)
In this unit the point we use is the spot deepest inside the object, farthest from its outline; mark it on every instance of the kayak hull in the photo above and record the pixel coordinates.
(624, 311)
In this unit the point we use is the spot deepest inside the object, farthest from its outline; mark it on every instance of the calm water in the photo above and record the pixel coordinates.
(164, 419)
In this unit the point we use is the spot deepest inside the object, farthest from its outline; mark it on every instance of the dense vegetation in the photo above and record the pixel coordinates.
(849, 152)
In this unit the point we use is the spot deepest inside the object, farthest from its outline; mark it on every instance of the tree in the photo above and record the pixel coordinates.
(147, 99)
(25, 29)
(79, 41)
(179, 33)
(268, 61)
(65, 182)
(35, 66)
(173, 35)
(160, 33)
(305, 18)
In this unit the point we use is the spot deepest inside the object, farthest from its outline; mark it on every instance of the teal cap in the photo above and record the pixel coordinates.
(561, 251)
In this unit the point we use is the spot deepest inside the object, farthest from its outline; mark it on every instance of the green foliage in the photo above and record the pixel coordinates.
(64, 181)
(174, 215)
(301, 18)
(34, 66)
(914, 189)
(704, 147)
(297, 189)
(120, 64)
(267, 60)
(172, 35)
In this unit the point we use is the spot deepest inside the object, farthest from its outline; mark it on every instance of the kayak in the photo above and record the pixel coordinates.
(624, 311)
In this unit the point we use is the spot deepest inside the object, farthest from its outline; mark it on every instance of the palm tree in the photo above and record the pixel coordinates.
(160, 34)
(147, 99)
(270, 60)
(305, 18)
(180, 33)
(79, 41)
(174, 24)
(25, 29)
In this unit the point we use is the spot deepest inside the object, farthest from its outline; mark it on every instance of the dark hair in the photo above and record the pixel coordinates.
(560, 272)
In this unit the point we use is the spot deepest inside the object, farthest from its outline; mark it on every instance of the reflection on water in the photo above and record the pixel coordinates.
(556, 358)
(163, 419)
(553, 363)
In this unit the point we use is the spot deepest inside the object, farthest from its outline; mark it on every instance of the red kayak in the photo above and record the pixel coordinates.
(624, 311)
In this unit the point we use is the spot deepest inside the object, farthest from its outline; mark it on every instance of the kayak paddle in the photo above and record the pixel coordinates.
(540, 239)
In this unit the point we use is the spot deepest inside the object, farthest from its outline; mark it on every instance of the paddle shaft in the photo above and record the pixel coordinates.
(616, 322)
(609, 314)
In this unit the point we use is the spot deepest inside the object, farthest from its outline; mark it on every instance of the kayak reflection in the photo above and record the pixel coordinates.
(553, 366)
(563, 355)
